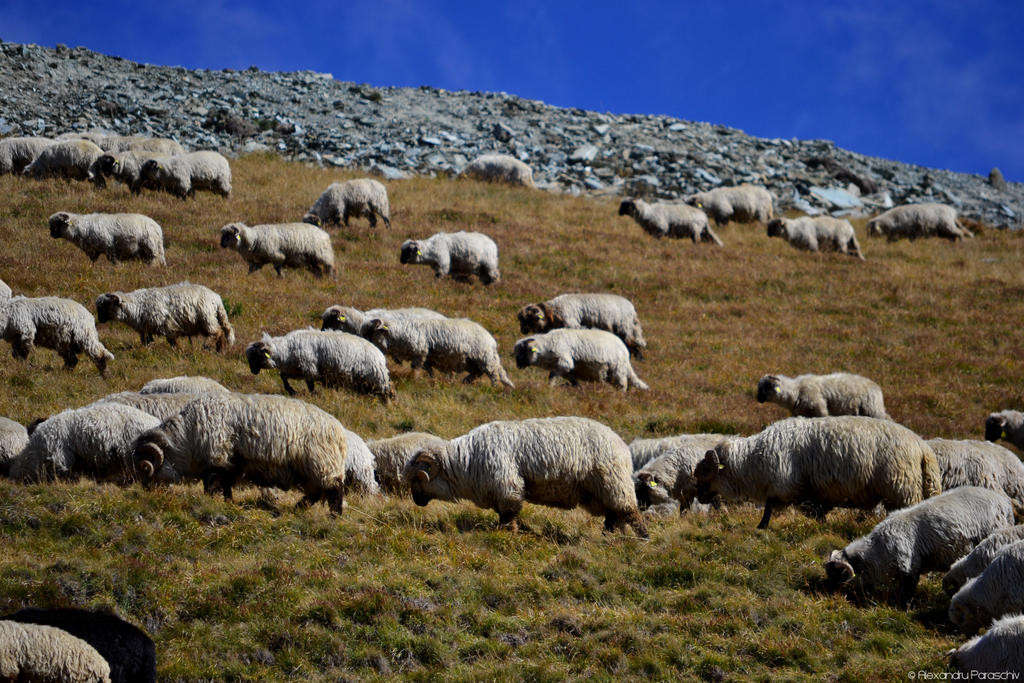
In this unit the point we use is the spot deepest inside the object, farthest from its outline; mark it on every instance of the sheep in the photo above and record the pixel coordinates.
(459, 254)
(5, 291)
(839, 393)
(32, 652)
(118, 236)
(17, 153)
(182, 385)
(359, 466)
(270, 440)
(670, 220)
(179, 310)
(499, 168)
(994, 592)
(974, 562)
(824, 462)
(137, 143)
(75, 159)
(391, 455)
(609, 312)
(913, 221)
(130, 653)
(292, 245)
(95, 440)
(666, 483)
(160, 406)
(335, 359)
(588, 355)
(360, 197)
(55, 323)
(449, 345)
(814, 233)
(126, 168)
(1000, 651)
(559, 462)
(926, 537)
(742, 204)
(1007, 425)
(183, 174)
(353, 321)
(980, 463)
(13, 438)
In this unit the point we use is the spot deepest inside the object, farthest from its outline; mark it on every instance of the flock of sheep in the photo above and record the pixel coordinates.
(951, 504)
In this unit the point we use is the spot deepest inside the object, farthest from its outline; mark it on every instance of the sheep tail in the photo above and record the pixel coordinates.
(931, 477)
(635, 381)
(227, 331)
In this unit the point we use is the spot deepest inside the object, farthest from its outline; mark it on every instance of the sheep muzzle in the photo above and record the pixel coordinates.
(838, 569)
(995, 428)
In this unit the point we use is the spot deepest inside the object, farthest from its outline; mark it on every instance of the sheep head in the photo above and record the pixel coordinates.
(148, 457)
(107, 306)
(231, 235)
(963, 616)
(532, 319)
(995, 427)
(627, 207)
(59, 223)
(708, 474)
(777, 227)
(260, 357)
(411, 252)
(874, 228)
(526, 352)
(107, 164)
(768, 387)
(378, 333)
(332, 318)
(423, 474)
(838, 569)
(650, 492)
(313, 219)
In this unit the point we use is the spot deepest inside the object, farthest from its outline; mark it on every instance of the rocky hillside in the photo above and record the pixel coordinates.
(401, 131)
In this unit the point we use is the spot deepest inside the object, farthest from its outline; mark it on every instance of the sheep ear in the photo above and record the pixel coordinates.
(423, 476)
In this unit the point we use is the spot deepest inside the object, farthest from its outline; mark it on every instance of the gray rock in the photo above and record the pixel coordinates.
(502, 132)
(996, 180)
(586, 153)
(836, 197)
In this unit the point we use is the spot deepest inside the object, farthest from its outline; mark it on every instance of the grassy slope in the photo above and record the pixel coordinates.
(237, 592)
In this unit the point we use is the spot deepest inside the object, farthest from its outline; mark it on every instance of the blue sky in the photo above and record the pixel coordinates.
(934, 83)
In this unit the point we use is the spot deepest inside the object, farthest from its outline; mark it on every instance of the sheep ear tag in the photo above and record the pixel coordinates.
(266, 353)
(778, 390)
(419, 253)
(1003, 437)
(721, 466)
(238, 237)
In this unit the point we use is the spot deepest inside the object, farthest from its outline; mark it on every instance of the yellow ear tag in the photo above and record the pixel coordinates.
(778, 390)
(653, 484)
(699, 205)
(1003, 436)
(419, 253)
(238, 237)
(721, 467)
(266, 353)
(383, 327)
(533, 349)
(341, 318)
(540, 316)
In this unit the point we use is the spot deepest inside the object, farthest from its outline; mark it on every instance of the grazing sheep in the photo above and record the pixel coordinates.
(666, 483)
(459, 254)
(926, 537)
(994, 592)
(449, 345)
(55, 323)
(291, 245)
(130, 653)
(390, 456)
(17, 153)
(182, 385)
(588, 355)
(95, 441)
(74, 159)
(359, 466)
(1007, 425)
(13, 439)
(44, 654)
(974, 562)
(363, 197)
(981, 463)
(183, 174)
(499, 168)
(823, 463)
(999, 651)
(354, 321)
(138, 143)
(269, 440)
(160, 406)
(598, 311)
(670, 220)
(118, 236)
(126, 168)
(179, 310)
(335, 359)
(918, 220)
(814, 233)
(560, 462)
(840, 393)
(742, 204)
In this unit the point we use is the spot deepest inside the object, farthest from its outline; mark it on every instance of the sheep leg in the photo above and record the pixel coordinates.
(387, 221)
(335, 499)
(172, 340)
(906, 586)
(277, 267)
(471, 377)
(507, 518)
(310, 384)
(344, 217)
(287, 387)
(373, 220)
(253, 267)
(20, 348)
(70, 360)
(768, 505)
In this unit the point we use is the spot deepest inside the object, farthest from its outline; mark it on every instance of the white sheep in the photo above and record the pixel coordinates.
(448, 345)
(353, 321)
(75, 159)
(55, 323)
(839, 393)
(609, 312)
(160, 406)
(17, 153)
(742, 204)
(182, 385)
(95, 441)
(335, 359)
(118, 236)
(291, 245)
(13, 438)
(665, 484)
(670, 220)
(459, 254)
(587, 355)
(499, 168)
(126, 168)
(817, 233)
(974, 562)
(1000, 651)
(183, 174)
(138, 143)
(34, 652)
(822, 463)
(996, 591)
(390, 456)
(926, 537)
(981, 463)
(268, 440)
(179, 310)
(363, 197)
(359, 466)
(913, 221)
(560, 462)
(1007, 425)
